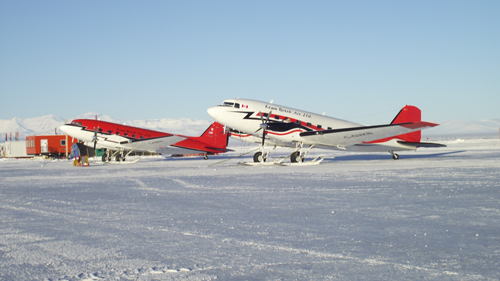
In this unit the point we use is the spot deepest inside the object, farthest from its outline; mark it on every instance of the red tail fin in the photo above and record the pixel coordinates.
(408, 114)
(215, 136)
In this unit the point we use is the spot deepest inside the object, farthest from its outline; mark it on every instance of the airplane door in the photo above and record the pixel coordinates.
(44, 146)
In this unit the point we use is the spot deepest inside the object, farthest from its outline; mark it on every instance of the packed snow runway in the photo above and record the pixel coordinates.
(433, 214)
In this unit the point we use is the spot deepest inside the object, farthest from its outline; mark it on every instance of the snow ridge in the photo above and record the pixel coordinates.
(49, 124)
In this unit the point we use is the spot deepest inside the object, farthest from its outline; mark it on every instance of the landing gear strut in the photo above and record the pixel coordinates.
(258, 157)
(395, 156)
(298, 156)
(261, 156)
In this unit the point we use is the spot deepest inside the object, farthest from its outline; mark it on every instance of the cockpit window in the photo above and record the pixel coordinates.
(230, 104)
(77, 123)
(237, 105)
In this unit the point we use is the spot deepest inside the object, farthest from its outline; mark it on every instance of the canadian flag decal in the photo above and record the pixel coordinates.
(244, 106)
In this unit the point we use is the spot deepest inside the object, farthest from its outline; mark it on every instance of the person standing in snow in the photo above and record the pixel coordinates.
(75, 154)
(83, 154)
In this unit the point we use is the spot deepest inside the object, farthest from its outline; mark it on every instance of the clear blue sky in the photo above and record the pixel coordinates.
(357, 60)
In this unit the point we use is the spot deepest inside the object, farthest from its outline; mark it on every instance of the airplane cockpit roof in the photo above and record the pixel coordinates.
(230, 103)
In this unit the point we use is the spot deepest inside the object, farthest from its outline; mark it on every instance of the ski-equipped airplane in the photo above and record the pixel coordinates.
(123, 138)
(272, 124)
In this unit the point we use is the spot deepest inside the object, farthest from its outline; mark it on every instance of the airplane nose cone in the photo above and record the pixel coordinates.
(213, 112)
(64, 128)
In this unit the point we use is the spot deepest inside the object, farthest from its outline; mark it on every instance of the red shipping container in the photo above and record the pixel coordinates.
(54, 146)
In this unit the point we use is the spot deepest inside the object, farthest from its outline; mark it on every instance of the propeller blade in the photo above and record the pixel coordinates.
(95, 137)
(263, 125)
(261, 118)
(268, 115)
(263, 136)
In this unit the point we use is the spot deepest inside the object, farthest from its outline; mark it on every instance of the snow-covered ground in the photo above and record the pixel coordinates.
(433, 214)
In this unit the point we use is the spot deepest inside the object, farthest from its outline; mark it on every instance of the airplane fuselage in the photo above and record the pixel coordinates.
(113, 136)
(244, 115)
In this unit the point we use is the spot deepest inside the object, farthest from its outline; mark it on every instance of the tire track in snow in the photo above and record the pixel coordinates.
(318, 254)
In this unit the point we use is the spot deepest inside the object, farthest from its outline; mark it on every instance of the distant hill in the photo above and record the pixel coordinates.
(461, 128)
(30, 126)
(47, 125)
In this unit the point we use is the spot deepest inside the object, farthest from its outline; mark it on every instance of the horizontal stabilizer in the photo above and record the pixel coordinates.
(221, 150)
(422, 144)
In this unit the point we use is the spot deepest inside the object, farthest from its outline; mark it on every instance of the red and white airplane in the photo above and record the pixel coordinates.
(256, 121)
(122, 138)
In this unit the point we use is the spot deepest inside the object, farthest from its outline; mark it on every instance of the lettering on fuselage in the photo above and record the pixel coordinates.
(131, 133)
(286, 110)
(358, 135)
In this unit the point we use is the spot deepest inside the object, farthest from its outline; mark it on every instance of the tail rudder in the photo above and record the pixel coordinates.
(215, 136)
(409, 114)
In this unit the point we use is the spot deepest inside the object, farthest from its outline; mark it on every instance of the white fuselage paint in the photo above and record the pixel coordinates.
(110, 142)
(115, 142)
(246, 119)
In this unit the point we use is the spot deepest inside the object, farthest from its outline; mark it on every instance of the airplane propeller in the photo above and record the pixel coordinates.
(94, 137)
(263, 125)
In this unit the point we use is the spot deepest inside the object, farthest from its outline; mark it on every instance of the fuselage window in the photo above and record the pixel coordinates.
(319, 126)
(133, 136)
(142, 137)
(100, 130)
(125, 134)
(298, 122)
(308, 124)
(109, 131)
(117, 133)
(329, 128)
(277, 117)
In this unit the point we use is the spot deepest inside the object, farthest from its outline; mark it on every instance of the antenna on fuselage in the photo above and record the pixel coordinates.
(271, 101)
(324, 113)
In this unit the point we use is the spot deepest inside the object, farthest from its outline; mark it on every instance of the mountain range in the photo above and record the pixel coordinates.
(49, 125)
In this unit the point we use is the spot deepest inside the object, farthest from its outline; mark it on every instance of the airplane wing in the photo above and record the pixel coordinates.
(358, 135)
(153, 144)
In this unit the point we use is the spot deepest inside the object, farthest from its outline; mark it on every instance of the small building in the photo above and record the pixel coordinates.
(56, 146)
(13, 149)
